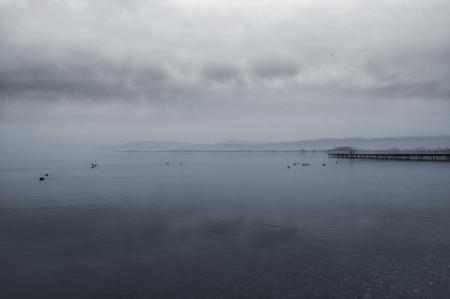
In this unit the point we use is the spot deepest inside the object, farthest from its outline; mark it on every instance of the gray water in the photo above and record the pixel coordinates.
(224, 225)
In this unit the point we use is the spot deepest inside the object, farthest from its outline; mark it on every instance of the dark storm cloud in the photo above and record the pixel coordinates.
(411, 73)
(82, 76)
(273, 69)
(420, 89)
(221, 72)
(88, 81)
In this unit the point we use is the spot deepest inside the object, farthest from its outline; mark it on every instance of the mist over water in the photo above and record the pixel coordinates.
(223, 225)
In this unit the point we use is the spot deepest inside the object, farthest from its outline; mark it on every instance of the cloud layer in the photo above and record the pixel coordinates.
(209, 57)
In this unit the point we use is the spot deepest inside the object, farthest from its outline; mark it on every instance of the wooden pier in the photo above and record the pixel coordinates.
(386, 155)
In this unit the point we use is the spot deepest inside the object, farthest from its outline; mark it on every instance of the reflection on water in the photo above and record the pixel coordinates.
(224, 225)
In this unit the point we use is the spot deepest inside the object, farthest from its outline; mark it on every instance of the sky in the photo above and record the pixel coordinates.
(78, 72)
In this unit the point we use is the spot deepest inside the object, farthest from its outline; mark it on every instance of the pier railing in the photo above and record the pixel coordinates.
(391, 155)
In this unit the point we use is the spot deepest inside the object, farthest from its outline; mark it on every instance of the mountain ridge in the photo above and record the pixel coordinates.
(402, 143)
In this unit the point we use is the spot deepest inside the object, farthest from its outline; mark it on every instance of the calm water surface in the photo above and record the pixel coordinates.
(224, 225)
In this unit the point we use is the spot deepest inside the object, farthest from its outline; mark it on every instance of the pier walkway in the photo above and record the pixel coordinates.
(394, 155)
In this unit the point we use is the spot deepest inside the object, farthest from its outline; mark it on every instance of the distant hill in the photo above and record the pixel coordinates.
(403, 143)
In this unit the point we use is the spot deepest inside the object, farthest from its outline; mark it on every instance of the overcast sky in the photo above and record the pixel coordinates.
(110, 71)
